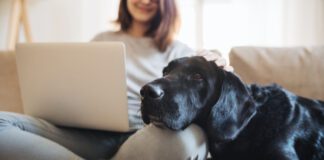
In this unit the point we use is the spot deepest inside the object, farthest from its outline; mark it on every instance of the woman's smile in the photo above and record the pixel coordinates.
(141, 10)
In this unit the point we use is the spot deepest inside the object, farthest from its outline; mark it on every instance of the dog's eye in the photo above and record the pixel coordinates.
(197, 76)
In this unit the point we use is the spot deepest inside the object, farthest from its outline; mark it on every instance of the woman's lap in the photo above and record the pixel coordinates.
(156, 143)
(24, 133)
(25, 137)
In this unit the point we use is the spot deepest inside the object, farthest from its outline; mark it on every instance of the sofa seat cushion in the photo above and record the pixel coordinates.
(10, 99)
(298, 69)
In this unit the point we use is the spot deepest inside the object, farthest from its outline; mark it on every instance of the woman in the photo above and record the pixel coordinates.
(147, 29)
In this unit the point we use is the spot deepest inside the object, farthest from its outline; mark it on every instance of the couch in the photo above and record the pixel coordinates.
(10, 98)
(298, 69)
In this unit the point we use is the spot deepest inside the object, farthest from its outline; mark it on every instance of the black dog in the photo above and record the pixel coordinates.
(247, 122)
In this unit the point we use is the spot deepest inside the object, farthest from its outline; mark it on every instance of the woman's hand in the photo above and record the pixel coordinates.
(217, 57)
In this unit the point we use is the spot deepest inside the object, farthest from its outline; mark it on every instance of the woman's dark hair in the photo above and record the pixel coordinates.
(163, 26)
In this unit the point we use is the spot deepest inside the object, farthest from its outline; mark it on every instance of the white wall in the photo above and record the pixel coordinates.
(4, 18)
(304, 22)
(242, 22)
(208, 24)
(62, 20)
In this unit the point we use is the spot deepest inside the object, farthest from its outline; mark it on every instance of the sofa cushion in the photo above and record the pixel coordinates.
(300, 70)
(10, 99)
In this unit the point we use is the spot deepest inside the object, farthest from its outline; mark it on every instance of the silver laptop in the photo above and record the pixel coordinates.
(75, 84)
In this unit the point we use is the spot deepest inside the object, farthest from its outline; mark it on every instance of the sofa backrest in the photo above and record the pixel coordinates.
(10, 99)
(298, 69)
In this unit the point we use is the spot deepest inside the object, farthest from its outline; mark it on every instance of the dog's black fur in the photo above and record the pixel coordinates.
(241, 121)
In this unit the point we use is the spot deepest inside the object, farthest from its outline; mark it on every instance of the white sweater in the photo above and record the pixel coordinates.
(144, 63)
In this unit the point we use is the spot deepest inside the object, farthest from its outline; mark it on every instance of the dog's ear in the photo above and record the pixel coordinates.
(233, 109)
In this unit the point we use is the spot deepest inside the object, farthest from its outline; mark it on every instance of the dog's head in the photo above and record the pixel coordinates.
(176, 99)
(194, 90)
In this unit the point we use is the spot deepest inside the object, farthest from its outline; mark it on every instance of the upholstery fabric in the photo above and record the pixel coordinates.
(298, 69)
(10, 99)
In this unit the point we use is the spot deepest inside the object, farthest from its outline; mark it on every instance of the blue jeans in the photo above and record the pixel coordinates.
(25, 137)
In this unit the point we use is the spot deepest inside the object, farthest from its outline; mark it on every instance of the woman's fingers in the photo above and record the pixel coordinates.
(217, 58)
(221, 62)
(228, 68)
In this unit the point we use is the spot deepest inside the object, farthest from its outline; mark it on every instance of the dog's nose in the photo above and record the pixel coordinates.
(152, 91)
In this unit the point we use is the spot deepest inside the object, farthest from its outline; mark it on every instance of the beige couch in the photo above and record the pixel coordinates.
(300, 70)
(10, 99)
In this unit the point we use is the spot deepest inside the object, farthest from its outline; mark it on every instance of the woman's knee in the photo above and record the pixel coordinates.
(152, 142)
(190, 143)
(196, 138)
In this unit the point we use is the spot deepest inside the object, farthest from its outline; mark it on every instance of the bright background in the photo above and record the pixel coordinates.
(208, 24)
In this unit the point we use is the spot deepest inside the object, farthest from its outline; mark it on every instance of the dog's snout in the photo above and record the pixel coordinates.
(152, 91)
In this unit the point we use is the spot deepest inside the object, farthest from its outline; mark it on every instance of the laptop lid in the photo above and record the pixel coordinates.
(75, 84)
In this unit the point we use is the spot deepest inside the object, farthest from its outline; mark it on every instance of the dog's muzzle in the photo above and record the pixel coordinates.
(151, 94)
